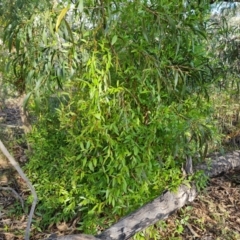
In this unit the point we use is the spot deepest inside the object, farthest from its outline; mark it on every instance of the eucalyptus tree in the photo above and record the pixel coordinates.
(131, 76)
(224, 34)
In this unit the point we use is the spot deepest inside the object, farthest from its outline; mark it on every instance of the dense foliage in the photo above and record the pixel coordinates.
(120, 93)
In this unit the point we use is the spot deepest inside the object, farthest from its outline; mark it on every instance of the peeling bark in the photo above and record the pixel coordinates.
(220, 164)
(164, 205)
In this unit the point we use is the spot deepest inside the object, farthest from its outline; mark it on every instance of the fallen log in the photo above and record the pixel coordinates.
(164, 205)
(219, 164)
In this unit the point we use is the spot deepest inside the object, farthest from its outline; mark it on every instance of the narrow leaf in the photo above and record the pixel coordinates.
(80, 6)
(90, 165)
(69, 30)
(26, 99)
(61, 16)
(114, 39)
(176, 79)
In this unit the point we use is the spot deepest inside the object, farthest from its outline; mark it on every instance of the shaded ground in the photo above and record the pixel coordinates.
(215, 214)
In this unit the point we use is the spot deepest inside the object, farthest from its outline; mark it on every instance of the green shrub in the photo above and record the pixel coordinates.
(101, 164)
(134, 76)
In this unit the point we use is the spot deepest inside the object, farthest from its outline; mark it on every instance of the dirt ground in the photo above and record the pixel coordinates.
(215, 214)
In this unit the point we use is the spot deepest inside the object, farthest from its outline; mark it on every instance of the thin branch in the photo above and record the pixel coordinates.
(29, 184)
(15, 193)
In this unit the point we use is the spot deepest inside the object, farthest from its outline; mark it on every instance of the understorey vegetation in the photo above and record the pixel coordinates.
(119, 94)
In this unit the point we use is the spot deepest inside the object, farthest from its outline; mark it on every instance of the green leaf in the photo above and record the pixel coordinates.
(30, 75)
(135, 150)
(176, 79)
(84, 161)
(26, 99)
(10, 44)
(94, 162)
(44, 37)
(51, 28)
(17, 45)
(107, 193)
(88, 144)
(97, 116)
(80, 6)
(69, 30)
(114, 39)
(90, 165)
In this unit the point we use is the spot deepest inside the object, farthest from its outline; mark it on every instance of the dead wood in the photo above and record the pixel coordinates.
(218, 164)
(73, 237)
(16, 195)
(164, 205)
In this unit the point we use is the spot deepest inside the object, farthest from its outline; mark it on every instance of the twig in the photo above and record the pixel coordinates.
(10, 126)
(15, 193)
(192, 231)
(24, 177)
